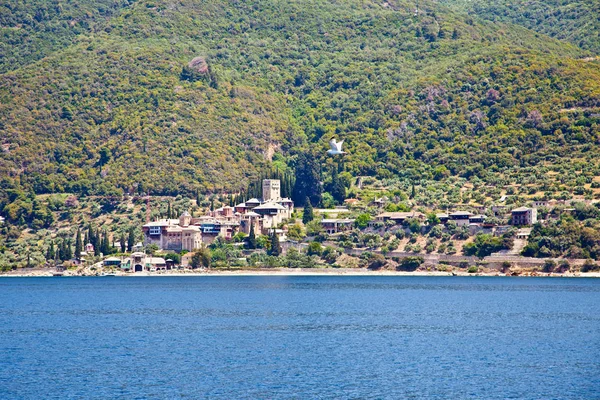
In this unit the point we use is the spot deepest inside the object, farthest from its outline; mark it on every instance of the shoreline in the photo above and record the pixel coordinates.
(299, 272)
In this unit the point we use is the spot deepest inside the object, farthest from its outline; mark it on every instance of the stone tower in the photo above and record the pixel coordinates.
(271, 189)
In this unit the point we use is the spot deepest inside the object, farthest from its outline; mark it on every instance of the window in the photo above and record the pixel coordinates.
(155, 230)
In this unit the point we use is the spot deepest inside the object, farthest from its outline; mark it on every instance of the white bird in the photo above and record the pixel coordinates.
(336, 147)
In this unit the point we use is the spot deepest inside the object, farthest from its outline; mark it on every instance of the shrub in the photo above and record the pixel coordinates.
(410, 263)
(315, 249)
(589, 265)
(549, 266)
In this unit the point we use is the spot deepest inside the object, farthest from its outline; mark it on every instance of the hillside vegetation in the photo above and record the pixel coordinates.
(575, 21)
(178, 97)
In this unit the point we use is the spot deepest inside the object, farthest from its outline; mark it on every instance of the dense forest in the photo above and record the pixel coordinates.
(109, 97)
(575, 21)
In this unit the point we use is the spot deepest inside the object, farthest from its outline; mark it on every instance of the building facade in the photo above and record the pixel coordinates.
(524, 216)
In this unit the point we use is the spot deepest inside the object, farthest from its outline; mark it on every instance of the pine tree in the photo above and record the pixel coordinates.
(308, 214)
(252, 237)
(123, 243)
(78, 244)
(131, 239)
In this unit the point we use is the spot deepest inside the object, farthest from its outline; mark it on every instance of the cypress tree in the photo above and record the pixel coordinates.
(68, 250)
(169, 211)
(131, 239)
(252, 237)
(78, 244)
(275, 249)
(105, 246)
(90, 236)
(336, 188)
(123, 243)
(50, 254)
(62, 251)
(308, 214)
(97, 243)
(308, 182)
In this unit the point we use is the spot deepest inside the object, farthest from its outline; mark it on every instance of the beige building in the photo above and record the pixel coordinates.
(173, 234)
(271, 189)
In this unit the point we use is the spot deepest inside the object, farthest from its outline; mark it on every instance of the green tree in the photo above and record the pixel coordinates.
(251, 240)
(131, 239)
(296, 232)
(275, 249)
(308, 214)
(362, 221)
(315, 249)
(410, 263)
(78, 244)
(308, 180)
(123, 243)
(201, 258)
(104, 156)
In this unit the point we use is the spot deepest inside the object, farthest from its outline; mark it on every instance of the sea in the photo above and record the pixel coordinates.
(299, 337)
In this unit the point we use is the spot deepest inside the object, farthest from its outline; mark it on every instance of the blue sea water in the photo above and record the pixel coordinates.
(300, 337)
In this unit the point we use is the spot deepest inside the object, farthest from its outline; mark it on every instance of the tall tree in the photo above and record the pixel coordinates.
(105, 245)
(251, 237)
(62, 250)
(131, 239)
(68, 250)
(78, 244)
(308, 183)
(50, 254)
(275, 249)
(308, 214)
(336, 188)
(123, 243)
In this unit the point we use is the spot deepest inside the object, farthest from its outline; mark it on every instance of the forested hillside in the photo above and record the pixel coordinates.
(179, 97)
(575, 21)
(33, 29)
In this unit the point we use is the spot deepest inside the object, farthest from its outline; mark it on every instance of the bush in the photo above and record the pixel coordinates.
(410, 263)
(377, 261)
(472, 269)
(329, 255)
(549, 266)
(589, 265)
(315, 249)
